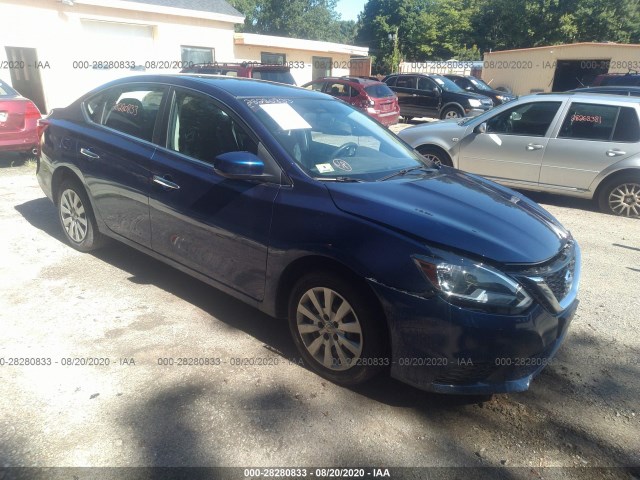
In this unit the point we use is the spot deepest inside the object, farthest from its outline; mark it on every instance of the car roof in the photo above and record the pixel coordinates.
(231, 65)
(587, 97)
(358, 80)
(235, 86)
(600, 88)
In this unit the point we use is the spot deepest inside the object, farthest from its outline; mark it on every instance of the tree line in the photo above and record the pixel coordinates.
(423, 30)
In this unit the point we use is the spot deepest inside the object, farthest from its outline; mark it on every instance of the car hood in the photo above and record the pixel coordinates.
(459, 211)
(477, 96)
(442, 129)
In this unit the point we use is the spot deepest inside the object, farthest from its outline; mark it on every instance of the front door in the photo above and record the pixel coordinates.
(216, 226)
(512, 148)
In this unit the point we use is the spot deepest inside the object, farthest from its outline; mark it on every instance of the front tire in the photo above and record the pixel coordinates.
(76, 218)
(337, 328)
(451, 112)
(621, 196)
(436, 155)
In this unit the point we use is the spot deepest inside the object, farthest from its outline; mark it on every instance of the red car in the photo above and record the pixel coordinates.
(18, 122)
(370, 96)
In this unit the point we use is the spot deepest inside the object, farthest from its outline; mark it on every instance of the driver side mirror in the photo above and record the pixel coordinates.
(469, 88)
(482, 128)
(437, 91)
(239, 165)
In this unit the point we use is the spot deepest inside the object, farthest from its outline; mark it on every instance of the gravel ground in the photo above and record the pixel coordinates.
(118, 304)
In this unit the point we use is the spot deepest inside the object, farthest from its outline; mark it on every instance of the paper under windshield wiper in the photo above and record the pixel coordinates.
(404, 171)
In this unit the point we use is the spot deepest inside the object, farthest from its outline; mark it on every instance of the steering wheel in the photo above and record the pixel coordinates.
(349, 148)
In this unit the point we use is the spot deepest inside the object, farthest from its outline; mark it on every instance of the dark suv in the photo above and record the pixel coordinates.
(258, 71)
(435, 96)
(472, 84)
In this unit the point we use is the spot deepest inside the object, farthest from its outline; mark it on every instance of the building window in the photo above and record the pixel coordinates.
(273, 58)
(198, 55)
(320, 67)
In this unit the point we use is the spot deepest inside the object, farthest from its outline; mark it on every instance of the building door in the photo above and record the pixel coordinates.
(321, 67)
(572, 74)
(26, 78)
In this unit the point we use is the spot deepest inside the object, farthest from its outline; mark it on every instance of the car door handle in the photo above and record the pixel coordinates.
(164, 183)
(414, 94)
(615, 153)
(534, 146)
(88, 153)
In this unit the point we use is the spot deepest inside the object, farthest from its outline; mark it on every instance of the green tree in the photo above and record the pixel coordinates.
(308, 19)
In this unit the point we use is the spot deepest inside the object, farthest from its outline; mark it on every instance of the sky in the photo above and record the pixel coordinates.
(349, 9)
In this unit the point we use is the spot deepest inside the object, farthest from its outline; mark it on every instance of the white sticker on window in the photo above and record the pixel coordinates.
(285, 116)
(324, 167)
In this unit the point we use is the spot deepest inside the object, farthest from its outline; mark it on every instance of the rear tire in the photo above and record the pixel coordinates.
(621, 196)
(436, 155)
(337, 328)
(76, 218)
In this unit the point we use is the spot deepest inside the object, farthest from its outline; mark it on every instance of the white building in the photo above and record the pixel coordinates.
(52, 51)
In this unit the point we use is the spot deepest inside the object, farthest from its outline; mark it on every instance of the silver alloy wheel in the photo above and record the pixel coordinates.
(452, 114)
(329, 329)
(625, 200)
(74, 216)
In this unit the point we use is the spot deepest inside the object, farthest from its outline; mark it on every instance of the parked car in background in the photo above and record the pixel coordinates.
(434, 96)
(371, 96)
(257, 71)
(308, 209)
(629, 91)
(470, 83)
(605, 79)
(581, 145)
(18, 122)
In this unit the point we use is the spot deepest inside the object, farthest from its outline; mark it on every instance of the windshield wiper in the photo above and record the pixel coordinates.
(340, 179)
(404, 171)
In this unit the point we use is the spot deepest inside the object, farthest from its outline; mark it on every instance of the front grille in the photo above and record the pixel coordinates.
(551, 282)
(561, 281)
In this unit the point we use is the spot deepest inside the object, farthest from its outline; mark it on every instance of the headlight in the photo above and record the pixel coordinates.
(475, 103)
(472, 284)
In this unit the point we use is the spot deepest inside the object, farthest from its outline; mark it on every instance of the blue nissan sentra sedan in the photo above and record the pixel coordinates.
(309, 210)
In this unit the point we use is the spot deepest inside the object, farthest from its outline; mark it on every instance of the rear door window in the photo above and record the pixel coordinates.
(406, 82)
(588, 121)
(130, 109)
(338, 89)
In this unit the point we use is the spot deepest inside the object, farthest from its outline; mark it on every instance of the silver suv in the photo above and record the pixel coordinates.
(582, 145)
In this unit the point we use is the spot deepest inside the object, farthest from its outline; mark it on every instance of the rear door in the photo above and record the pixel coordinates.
(512, 148)
(213, 225)
(428, 97)
(113, 150)
(405, 88)
(591, 137)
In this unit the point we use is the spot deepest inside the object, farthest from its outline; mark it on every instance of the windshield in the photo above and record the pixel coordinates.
(331, 140)
(480, 84)
(446, 84)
